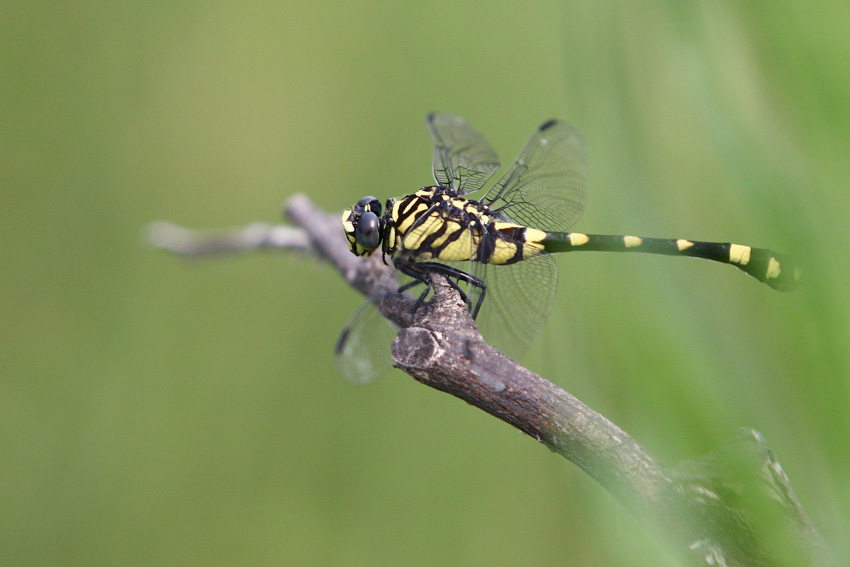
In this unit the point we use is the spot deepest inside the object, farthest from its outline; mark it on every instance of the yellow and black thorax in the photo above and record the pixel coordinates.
(435, 224)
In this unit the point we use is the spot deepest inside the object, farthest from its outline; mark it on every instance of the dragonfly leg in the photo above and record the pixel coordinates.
(421, 274)
(414, 283)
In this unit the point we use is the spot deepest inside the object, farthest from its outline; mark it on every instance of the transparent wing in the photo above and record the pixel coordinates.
(462, 157)
(363, 347)
(518, 302)
(545, 187)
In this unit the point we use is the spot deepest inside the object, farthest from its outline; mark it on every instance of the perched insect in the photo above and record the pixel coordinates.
(499, 246)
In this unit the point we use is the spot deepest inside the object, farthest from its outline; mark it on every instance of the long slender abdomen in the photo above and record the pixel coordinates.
(776, 270)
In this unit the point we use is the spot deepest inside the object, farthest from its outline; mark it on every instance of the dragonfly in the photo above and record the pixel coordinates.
(499, 246)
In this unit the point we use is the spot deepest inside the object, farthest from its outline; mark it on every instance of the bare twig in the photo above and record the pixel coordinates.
(723, 509)
(187, 242)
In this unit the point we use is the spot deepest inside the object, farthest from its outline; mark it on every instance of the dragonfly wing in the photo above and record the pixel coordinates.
(463, 159)
(545, 187)
(518, 302)
(363, 347)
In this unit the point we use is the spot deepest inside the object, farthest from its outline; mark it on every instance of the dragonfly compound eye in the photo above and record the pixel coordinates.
(367, 232)
(369, 204)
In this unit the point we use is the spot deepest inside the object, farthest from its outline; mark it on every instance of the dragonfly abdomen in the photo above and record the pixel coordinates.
(776, 270)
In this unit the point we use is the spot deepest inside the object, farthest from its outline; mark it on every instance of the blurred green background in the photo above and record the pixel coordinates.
(161, 412)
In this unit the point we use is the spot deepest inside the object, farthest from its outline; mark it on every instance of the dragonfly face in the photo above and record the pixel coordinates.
(364, 227)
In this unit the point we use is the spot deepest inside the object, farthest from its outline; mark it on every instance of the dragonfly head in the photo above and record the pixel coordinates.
(363, 226)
